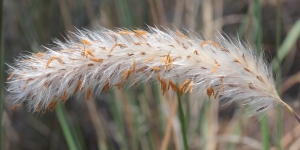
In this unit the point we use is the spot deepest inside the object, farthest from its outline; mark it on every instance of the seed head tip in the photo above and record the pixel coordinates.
(297, 116)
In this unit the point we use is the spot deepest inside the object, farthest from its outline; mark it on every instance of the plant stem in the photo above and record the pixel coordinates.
(264, 121)
(65, 127)
(182, 121)
(1, 75)
(278, 78)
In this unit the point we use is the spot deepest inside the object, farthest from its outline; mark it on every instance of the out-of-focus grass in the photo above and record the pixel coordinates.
(182, 122)
(66, 127)
(287, 44)
(264, 122)
(137, 118)
(1, 74)
(278, 79)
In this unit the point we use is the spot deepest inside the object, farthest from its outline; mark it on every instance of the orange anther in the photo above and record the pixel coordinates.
(21, 75)
(78, 86)
(211, 42)
(137, 43)
(40, 54)
(86, 42)
(126, 74)
(141, 69)
(156, 68)
(15, 106)
(96, 59)
(210, 91)
(148, 59)
(27, 81)
(54, 58)
(89, 52)
(183, 85)
(140, 32)
(163, 83)
(190, 87)
(180, 34)
(214, 70)
(67, 50)
(113, 47)
(134, 66)
(106, 87)
(11, 75)
(52, 105)
(64, 97)
(88, 94)
(125, 32)
(216, 95)
(44, 85)
(173, 86)
(39, 107)
(119, 85)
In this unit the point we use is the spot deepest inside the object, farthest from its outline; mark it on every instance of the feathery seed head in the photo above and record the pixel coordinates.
(91, 62)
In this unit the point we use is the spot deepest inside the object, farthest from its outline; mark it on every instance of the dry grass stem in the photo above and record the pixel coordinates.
(170, 124)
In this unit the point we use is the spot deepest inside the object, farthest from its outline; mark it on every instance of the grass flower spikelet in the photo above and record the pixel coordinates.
(93, 61)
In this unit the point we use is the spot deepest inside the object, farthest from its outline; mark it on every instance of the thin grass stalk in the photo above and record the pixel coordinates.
(265, 133)
(98, 125)
(204, 124)
(29, 31)
(169, 127)
(158, 103)
(1, 74)
(191, 13)
(118, 111)
(207, 7)
(77, 132)
(278, 78)
(160, 10)
(257, 8)
(128, 116)
(125, 15)
(144, 108)
(65, 127)
(65, 15)
(264, 121)
(233, 145)
(182, 122)
(149, 96)
(187, 110)
(132, 117)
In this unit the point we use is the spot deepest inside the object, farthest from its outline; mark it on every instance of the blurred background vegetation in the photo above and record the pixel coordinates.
(140, 117)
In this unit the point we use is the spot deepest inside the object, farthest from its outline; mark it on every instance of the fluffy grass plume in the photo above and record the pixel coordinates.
(90, 62)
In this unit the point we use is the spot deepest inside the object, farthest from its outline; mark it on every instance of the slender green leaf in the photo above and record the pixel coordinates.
(65, 127)
(287, 44)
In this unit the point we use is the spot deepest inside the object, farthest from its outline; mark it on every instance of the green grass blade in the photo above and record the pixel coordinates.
(264, 121)
(278, 79)
(287, 44)
(182, 121)
(65, 127)
(259, 22)
(265, 133)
